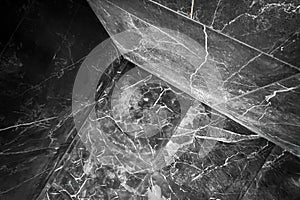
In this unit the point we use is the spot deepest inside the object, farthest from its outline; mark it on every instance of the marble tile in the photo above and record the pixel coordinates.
(265, 25)
(218, 173)
(250, 78)
(208, 93)
(38, 68)
(252, 83)
(93, 170)
(278, 178)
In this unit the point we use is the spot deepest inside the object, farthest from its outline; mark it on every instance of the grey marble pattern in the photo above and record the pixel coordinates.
(251, 83)
(270, 26)
(203, 104)
(38, 66)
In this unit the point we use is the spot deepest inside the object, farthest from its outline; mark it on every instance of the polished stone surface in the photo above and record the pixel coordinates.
(39, 59)
(246, 85)
(271, 26)
(204, 104)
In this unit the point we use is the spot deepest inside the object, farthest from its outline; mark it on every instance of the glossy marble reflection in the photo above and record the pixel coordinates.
(270, 26)
(203, 103)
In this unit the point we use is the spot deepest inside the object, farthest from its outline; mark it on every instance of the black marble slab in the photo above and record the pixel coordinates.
(40, 57)
(270, 26)
(246, 151)
(244, 84)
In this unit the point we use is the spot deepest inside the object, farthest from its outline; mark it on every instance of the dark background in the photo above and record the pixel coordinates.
(42, 45)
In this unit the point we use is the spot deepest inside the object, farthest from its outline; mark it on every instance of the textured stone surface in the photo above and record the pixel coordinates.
(206, 106)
